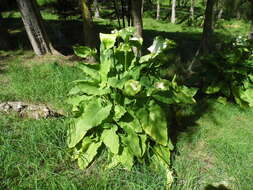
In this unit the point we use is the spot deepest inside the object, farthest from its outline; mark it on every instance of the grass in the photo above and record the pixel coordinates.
(44, 81)
(219, 153)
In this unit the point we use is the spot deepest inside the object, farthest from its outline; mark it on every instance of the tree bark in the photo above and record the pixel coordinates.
(251, 27)
(35, 27)
(173, 12)
(158, 10)
(192, 9)
(97, 12)
(136, 16)
(89, 39)
(208, 27)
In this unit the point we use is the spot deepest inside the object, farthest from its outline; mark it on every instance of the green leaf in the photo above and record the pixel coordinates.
(106, 61)
(143, 139)
(83, 51)
(247, 96)
(163, 153)
(94, 114)
(126, 33)
(132, 87)
(183, 94)
(125, 158)
(213, 88)
(107, 40)
(154, 123)
(89, 71)
(111, 139)
(119, 111)
(88, 88)
(132, 141)
(87, 157)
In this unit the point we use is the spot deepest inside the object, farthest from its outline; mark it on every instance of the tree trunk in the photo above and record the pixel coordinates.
(208, 27)
(89, 39)
(158, 10)
(192, 9)
(34, 27)
(173, 12)
(220, 14)
(142, 7)
(251, 27)
(136, 16)
(97, 12)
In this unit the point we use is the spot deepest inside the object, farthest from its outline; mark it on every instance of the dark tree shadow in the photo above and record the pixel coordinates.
(220, 187)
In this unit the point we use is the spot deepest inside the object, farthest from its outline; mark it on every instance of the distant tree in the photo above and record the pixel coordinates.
(192, 9)
(89, 37)
(96, 7)
(157, 9)
(251, 20)
(208, 27)
(35, 27)
(137, 16)
(173, 12)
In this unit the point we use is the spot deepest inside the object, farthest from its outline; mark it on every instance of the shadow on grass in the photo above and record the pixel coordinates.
(64, 34)
(220, 187)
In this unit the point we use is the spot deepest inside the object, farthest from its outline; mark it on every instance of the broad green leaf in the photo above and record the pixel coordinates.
(132, 141)
(106, 61)
(251, 77)
(127, 159)
(183, 94)
(88, 88)
(247, 96)
(213, 88)
(76, 100)
(107, 40)
(94, 114)
(89, 71)
(119, 111)
(143, 143)
(111, 139)
(126, 33)
(87, 157)
(147, 58)
(164, 97)
(132, 123)
(163, 153)
(132, 87)
(154, 123)
(83, 51)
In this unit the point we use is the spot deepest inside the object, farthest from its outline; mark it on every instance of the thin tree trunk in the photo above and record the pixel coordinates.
(123, 13)
(34, 27)
(142, 7)
(208, 27)
(220, 14)
(116, 7)
(158, 10)
(97, 12)
(192, 9)
(89, 39)
(251, 27)
(136, 16)
(173, 12)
